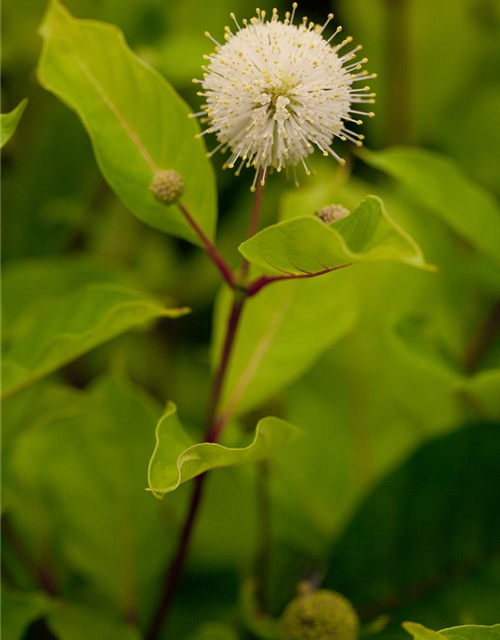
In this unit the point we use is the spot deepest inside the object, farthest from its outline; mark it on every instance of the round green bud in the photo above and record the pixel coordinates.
(320, 615)
(167, 186)
(332, 213)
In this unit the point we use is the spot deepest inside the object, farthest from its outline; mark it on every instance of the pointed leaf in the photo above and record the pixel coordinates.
(177, 459)
(9, 122)
(465, 632)
(438, 184)
(307, 246)
(76, 324)
(136, 121)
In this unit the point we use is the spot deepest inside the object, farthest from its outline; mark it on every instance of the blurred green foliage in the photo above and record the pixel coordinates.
(387, 491)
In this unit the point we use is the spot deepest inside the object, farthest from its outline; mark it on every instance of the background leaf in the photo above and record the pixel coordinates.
(9, 122)
(283, 330)
(79, 322)
(89, 456)
(470, 210)
(433, 549)
(306, 245)
(136, 121)
(177, 459)
(73, 622)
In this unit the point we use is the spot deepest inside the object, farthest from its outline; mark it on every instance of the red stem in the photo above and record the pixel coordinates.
(210, 248)
(213, 431)
(258, 284)
(254, 219)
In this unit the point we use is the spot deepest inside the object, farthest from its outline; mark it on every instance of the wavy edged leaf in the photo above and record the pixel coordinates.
(437, 183)
(177, 459)
(465, 632)
(76, 324)
(136, 121)
(433, 548)
(9, 121)
(306, 246)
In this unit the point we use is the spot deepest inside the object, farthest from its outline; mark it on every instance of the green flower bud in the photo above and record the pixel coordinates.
(320, 615)
(167, 186)
(332, 213)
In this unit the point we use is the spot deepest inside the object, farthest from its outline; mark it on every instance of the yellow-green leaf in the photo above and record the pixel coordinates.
(137, 122)
(306, 246)
(9, 122)
(77, 323)
(437, 183)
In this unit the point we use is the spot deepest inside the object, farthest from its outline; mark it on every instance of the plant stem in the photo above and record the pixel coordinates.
(210, 248)
(264, 533)
(253, 227)
(482, 341)
(214, 426)
(398, 71)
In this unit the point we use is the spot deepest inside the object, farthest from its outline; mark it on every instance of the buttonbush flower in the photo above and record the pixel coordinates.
(276, 90)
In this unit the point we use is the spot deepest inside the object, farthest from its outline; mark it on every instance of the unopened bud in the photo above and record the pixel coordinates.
(332, 213)
(167, 186)
(320, 615)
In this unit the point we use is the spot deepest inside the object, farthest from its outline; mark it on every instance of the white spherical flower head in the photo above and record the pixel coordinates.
(276, 90)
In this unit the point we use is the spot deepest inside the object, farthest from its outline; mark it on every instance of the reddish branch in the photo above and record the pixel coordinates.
(258, 284)
(213, 431)
(210, 248)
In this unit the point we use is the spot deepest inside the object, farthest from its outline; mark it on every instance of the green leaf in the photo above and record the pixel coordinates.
(307, 246)
(177, 458)
(76, 622)
(31, 285)
(19, 610)
(438, 184)
(136, 121)
(77, 477)
(465, 632)
(419, 632)
(76, 324)
(283, 330)
(432, 549)
(9, 122)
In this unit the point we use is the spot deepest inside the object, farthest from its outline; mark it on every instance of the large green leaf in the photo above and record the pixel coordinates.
(307, 246)
(77, 476)
(283, 330)
(77, 323)
(177, 458)
(20, 609)
(465, 632)
(438, 184)
(9, 122)
(137, 122)
(425, 544)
